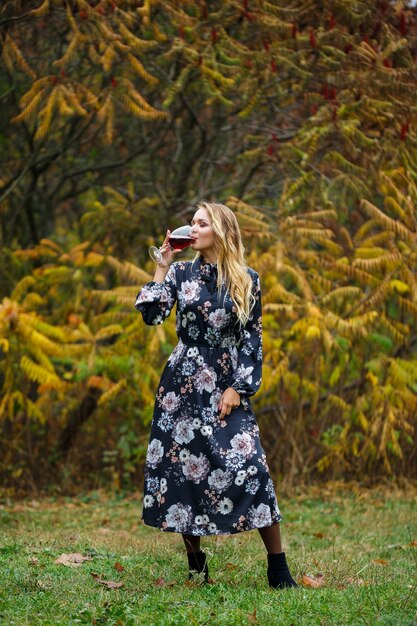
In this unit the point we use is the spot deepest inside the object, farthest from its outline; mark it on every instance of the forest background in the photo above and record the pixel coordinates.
(118, 116)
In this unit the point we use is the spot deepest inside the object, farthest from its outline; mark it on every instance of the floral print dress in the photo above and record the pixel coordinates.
(203, 475)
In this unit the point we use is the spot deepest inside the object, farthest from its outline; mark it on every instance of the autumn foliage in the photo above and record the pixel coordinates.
(117, 117)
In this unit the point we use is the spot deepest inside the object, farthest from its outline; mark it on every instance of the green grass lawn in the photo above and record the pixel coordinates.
(362, 542)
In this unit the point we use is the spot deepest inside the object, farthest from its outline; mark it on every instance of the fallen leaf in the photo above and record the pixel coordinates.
(313, 581)
(231, 566)
(119, 567)
(355, 581)
(413, 543)
(380, 562)
(74, 559)
(110, 584)
(33, 560)
(161, 582)
(252, 617)
(319, 535)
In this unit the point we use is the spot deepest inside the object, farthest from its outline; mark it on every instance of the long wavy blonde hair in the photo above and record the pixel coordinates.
(231, 265)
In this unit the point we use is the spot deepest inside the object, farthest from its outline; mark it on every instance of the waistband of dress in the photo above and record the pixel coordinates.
(227, 342)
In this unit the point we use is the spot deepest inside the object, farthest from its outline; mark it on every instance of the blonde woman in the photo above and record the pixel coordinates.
(206, 472)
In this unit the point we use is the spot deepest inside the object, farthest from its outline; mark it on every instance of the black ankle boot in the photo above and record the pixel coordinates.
(197, 564)
(279, 576)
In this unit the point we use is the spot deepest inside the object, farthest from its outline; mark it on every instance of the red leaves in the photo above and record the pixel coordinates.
(214, 35)
(294, 31)
(313, 42)
(403, 23)
(273, 66)
(332, 21)
(113, 82)
(387, 63)
(404, 131)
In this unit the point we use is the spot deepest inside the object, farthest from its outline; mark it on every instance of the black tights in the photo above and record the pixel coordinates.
(271, 536)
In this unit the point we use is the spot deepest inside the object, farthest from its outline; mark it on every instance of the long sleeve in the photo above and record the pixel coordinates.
(248, 375)
(155, 300)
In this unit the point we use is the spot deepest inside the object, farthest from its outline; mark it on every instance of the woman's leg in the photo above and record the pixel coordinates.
(279, 576)
(271, 536)
(192, 544)
(197, 561)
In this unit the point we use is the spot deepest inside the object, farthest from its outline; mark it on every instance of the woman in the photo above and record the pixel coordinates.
(206, 472)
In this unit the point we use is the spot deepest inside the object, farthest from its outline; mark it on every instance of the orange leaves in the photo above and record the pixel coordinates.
(314, 582)
(110, 584)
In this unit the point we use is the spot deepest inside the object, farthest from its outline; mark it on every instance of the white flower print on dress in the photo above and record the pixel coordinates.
(244, 373)
(165, 422)
(164, 485)
(171, 402)
(179, 517)
(190, 291)
(205, 379)
(259, 516)
(155, 453)
(244, 444)
(184, 454)
(219, 318)
(206, 430)
(183, 431)
(196, 468)
(214, 400)
(252, 486)
(152, 484)
(234, 460)
(220, 480)
(148, 501)
(225, 506)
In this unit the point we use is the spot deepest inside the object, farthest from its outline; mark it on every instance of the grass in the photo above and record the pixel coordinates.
(363, 542)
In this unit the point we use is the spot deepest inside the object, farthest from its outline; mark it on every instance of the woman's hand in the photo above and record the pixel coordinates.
(230, 400)
(167, 251)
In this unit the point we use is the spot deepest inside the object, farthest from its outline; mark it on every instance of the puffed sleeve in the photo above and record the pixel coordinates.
(248, 374)
(155, 300)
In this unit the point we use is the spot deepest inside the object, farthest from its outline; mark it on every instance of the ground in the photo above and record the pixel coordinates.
(358, 546)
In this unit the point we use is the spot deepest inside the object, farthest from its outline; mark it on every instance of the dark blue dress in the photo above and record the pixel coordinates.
(203, 475)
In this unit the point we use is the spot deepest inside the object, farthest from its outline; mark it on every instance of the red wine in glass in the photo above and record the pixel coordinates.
(179, 239)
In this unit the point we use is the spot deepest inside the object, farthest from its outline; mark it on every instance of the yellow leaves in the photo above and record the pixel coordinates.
(398, 286)
(141, 71)
(111, 393)
(390, 224)
(39, 374)
(13, 57)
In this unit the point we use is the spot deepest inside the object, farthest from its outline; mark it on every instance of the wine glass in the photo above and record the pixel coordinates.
(178, 240)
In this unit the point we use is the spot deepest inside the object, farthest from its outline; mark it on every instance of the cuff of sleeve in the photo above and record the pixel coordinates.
(151, 292)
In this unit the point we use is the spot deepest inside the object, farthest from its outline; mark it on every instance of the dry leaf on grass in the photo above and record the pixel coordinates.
(380, 562)
(319, 535)
(355, 581)
(74, 559)
(33, 560)
(161, 582)
(110, 584)
(231, 566)
(119, 567)
(252, 617)
(313, 581)
(413, 543)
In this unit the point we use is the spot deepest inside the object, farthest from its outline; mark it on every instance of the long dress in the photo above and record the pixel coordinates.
(203, 475)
